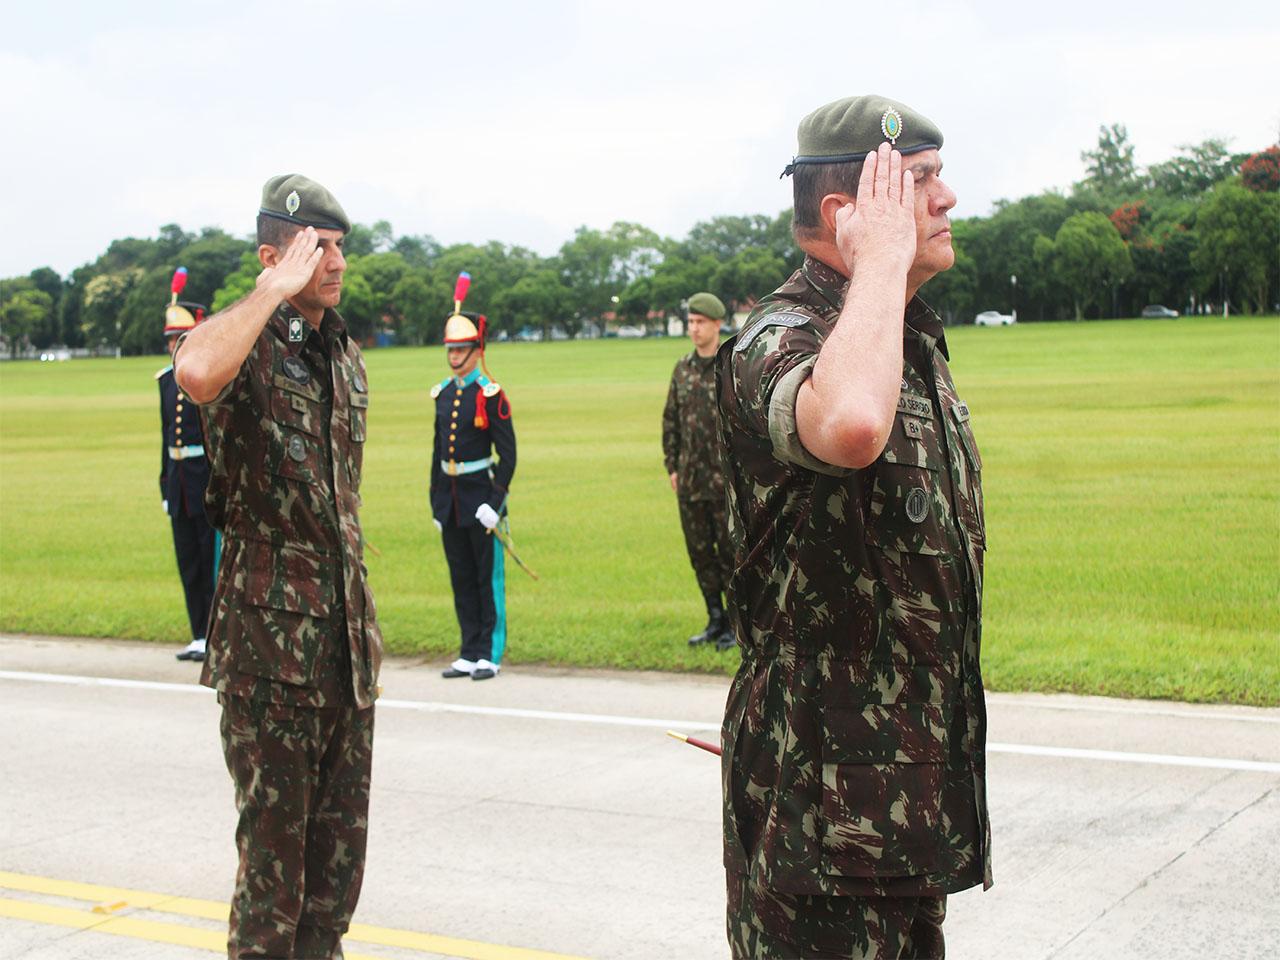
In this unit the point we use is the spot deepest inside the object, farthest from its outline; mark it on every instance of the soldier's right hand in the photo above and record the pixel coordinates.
(674, 477)
(880, 228)
(295, 266)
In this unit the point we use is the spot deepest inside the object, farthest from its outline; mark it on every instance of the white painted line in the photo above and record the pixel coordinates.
(102, 682)
(1134, 710)
(1161, 759)
(428, 706)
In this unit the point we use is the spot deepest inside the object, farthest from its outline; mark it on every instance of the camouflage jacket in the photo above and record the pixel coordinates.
(855, 730)
(293, 618)
(690, 447)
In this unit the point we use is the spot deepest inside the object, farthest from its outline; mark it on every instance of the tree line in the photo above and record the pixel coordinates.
(1200, 229)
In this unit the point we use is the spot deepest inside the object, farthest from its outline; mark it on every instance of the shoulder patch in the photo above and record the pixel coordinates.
(161, 373)
(770, 320)
(491, 389)
(435, 391)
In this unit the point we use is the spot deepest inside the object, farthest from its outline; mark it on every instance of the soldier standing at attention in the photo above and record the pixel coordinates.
(294, 646)
(469, 488)
(184, 475)
(854, 735)
(691, 451)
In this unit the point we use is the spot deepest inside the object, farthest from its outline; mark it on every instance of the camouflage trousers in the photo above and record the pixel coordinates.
(302, 790)
(766, 925)
(706, 537)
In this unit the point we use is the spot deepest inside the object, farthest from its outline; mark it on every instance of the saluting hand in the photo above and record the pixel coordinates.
(881, 226)
(296, 265)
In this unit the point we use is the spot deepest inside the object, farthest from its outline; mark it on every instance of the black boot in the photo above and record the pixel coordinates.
(715, 623)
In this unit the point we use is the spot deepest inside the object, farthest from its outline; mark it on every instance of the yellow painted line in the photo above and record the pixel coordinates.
(111, 899)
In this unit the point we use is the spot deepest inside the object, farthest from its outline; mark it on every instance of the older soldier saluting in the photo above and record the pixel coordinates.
(294, 645)
(691, 451)
(853, 741)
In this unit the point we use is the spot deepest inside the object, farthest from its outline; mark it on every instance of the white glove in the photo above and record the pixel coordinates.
(487, 516)
(439, 525)
(164, 505)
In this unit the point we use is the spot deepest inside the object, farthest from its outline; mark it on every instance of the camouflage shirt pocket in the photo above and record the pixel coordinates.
(291, 594)
(882, 782)
(908, 508)
(969, 499)
(295, 450)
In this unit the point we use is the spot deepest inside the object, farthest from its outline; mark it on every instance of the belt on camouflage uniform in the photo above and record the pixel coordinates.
(455, 468)
(186, 453)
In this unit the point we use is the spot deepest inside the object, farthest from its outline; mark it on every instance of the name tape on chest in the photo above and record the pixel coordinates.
(915, 406)
(772, 320)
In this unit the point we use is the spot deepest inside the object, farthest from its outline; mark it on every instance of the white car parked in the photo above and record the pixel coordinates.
(993, 318)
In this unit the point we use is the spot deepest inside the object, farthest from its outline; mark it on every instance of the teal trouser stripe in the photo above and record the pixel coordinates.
(499, 638)
(217, 555)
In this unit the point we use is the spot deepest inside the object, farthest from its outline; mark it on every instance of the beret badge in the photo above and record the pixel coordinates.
(891, 125)
(293, 201)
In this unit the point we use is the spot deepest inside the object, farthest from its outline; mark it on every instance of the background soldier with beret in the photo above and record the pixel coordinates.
(854, 735)
(692, 454)
(294, 646)
(473, 459)
(184, 475)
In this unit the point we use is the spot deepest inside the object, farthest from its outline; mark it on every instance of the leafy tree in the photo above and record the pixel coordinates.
(1109, 166)
(538, 299)
(360, 307)
(1239, 234)
(748, 275)
(1193, 171)
(239, 284)
(1088, 259)
(104, 299)
(1261, 172)
(417, 304)
(26, 314)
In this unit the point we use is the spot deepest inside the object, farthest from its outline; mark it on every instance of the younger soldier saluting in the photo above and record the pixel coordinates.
(692, 455)
(469, 487)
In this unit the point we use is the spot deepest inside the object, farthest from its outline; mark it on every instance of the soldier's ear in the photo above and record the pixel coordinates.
(268, 255)
(827, 210)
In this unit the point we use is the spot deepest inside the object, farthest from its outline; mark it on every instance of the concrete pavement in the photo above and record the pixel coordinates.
(546, 811)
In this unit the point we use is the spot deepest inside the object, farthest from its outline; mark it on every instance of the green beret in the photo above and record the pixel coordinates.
(296, 199)
(707, 304)
(847, 130)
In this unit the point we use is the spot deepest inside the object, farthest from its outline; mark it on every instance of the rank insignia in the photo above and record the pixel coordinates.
(891, 125)
(295, 330)
(293, 201)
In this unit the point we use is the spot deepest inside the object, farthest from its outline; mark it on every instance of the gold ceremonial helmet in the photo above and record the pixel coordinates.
(460, 330)
(178, 316)
(177, 320)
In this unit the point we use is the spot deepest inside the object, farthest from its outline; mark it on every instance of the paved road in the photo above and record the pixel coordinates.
(511, 817)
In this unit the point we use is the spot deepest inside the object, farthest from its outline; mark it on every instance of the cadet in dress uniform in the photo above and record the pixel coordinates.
(469, 487)
(184, 475)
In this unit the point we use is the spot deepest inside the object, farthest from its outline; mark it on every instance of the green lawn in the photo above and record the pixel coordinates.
(1132, 482)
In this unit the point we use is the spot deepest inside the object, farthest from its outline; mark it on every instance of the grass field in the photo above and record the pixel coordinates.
(1132, 476)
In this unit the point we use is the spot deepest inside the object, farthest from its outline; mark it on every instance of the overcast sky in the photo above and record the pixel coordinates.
(519, 122)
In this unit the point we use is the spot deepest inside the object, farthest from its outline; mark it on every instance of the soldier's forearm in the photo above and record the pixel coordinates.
(845, 411)
(212, 353)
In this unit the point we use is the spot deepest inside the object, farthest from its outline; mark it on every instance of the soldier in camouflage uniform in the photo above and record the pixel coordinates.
(294, 645)
(853, 742)
(691, 451)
